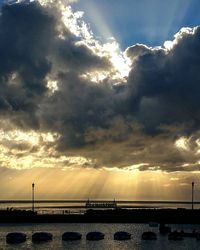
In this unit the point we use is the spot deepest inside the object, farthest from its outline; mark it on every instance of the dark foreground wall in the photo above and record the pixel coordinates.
(107, 216)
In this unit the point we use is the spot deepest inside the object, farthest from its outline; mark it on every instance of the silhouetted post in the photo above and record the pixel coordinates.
(33, 207)
(192, 195)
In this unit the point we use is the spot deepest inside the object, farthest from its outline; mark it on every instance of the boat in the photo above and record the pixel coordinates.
(71, 236)
(153, 224)
(197, 235)
(149, 236)
(175, 235)
(189, 234)
(15, 237)
(164, 229)
(41, 237)
(121, 235)
(95, 236)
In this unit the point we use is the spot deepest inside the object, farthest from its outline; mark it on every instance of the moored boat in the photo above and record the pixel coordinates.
(149, 236)
(95, 236)
(15, 237)
(189, 234)
(41, 237)
(175, 235)
(197, 235)
(71, 236)
(121, 235)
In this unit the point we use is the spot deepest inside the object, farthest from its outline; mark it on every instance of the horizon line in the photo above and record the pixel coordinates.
(100, 200)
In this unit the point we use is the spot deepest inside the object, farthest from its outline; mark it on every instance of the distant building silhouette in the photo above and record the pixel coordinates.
(100, 204)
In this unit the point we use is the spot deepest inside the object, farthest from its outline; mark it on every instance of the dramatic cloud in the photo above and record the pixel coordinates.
(164, 84)
(64, 101)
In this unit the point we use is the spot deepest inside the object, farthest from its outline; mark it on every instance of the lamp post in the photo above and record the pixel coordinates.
(192, 195)
(33, 207)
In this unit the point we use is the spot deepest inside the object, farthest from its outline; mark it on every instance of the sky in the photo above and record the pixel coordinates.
(99, 99)
(149, 22)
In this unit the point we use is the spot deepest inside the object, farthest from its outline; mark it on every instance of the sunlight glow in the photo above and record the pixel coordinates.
(168, 45)
(135, 167)
(98, 19)
(95, 76)
(26, 150)
(182, 144)
(75, 23)
(29, 137)
(119, 60)
(52, 86)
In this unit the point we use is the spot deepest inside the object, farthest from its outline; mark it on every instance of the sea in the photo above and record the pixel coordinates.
(135, 229)
(108, 243)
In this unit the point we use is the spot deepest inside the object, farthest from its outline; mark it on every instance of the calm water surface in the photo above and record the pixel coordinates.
(108, 243)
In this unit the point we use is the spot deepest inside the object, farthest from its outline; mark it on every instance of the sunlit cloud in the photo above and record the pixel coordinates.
(76, 24)
(182, 144)
(30, 149)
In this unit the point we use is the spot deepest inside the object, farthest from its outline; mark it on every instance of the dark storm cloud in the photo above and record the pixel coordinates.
(25, 35)
(162, 96)
(78, 58)
(29, 48)
(76, 107)
(114, 125)
(156, 152)
(164, 85)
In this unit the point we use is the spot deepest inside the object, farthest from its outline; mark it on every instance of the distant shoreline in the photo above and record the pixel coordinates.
(54, 208)
(118, 201)
(42, 205)
(81, 204)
